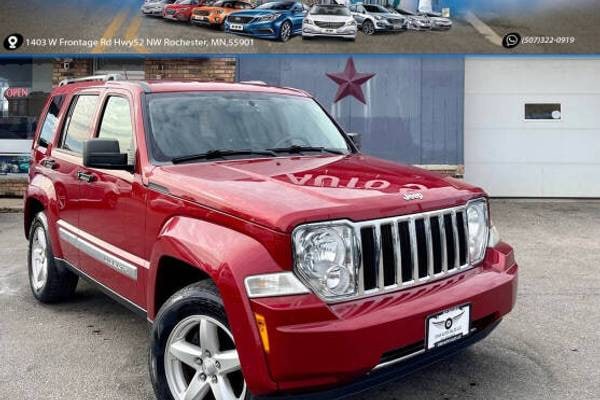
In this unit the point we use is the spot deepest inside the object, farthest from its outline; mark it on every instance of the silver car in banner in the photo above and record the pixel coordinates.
(373, 18)
(415, 22)
(438, 23)
(332, 20)
(155, 7)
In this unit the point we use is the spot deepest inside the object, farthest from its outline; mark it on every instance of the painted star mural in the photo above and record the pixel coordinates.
(350, 82)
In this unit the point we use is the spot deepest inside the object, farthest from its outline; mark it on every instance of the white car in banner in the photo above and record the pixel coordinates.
(331, 20)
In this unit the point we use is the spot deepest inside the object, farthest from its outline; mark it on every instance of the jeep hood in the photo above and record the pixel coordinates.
(280, 193)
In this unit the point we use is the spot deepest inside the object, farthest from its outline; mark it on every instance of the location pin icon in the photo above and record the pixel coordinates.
(12, 41)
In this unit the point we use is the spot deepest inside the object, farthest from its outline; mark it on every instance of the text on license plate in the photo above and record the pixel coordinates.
(448, 326)
(236, 27)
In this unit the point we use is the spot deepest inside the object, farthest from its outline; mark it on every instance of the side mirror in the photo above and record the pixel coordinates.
(355, 137)
(105, 154)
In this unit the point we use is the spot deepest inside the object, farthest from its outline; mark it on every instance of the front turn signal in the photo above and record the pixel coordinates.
(261, 323)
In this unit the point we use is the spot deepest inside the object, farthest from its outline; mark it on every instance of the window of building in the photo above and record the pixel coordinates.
(543, 111)
(50, 121)
(79, 123)
(116, 124)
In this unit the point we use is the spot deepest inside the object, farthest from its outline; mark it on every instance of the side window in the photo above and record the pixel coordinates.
(116, 124)
(50, 121)
(353, 8)
(79, 124)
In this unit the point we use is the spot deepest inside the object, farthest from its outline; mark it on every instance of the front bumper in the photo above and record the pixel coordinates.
(265, 30)
(346, 32)
(384, 26)
(315, 346)
(155, 12)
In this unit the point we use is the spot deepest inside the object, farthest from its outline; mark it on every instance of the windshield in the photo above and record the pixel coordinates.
(277, 6)
(185, 124)
(375, 8)
(332, 10)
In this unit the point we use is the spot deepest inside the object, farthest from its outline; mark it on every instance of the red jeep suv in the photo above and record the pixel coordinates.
(271, 257)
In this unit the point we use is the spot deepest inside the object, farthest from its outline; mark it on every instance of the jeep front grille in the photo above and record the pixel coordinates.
(401, 252)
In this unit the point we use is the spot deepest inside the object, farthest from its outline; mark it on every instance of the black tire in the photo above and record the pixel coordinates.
(60, 283)
(282, 36)
(201, 298)
(368, 28)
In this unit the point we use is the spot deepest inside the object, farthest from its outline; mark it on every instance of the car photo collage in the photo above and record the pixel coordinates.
(280, 20)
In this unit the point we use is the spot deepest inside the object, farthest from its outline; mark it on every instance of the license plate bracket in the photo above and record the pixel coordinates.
(447, 326)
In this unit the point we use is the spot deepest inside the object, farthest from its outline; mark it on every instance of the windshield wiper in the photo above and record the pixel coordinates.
(222, 153)
(295, 149)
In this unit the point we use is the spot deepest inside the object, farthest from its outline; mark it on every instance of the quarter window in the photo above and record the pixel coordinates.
(116, 124)
(50, 121)
(543, 111)
(79, 123)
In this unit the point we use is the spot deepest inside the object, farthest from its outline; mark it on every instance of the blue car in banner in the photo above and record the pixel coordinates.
(275, 20)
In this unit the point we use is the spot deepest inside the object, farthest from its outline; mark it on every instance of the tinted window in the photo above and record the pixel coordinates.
(187, 124)
(277, 6)
(79, 123)
(50, 121)
(116, 124)
(375, 8)
(543, 111)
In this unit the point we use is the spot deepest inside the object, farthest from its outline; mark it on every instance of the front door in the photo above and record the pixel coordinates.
(63, 164)
(112, 208)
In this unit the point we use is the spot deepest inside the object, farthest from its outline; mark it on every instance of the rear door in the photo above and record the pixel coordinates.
(112, 207)
(64, 163)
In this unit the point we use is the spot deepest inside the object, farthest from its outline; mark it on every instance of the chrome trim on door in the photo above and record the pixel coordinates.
(69, 234)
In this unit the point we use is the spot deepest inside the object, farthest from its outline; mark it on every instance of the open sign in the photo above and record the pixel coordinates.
(16, 92)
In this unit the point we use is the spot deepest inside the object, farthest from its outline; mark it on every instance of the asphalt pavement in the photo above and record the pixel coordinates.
(91, 347)
(117, 27)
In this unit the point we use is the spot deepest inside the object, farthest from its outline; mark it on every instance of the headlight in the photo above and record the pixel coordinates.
(308, 21)
(325, 259)
(350, 22)
(220, 12)
(378, 17)
(478, 226)
(267, 18)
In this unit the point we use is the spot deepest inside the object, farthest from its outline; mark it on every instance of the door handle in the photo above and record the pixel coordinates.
(85, 177)
(49, 163)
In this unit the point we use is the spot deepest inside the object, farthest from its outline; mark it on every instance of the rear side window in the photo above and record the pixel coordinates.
(116, 124)
(50, 121)
(79, 124)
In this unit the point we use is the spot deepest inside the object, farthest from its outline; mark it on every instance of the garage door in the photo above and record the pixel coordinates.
(532, 126)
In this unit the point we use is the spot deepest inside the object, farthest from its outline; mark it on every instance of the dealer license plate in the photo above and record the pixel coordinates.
(448, 326)
(197, 18)
(236, 27)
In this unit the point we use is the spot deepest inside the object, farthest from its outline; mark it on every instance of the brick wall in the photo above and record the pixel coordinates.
(78, 69)
(206, 69)
(12, 186)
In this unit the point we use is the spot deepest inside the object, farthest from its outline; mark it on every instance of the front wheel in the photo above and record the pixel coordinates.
(368, 28)
(49, 284)
(285, 32)
(193, 353)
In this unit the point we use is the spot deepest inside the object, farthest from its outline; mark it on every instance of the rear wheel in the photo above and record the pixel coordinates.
(285, 32)
(48, 283)
(193, 353)
(368, 28)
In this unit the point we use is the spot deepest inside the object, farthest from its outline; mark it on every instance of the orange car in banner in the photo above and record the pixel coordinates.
(215, 14)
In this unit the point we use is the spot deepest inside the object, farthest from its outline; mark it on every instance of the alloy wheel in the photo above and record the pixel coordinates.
(368, 28)
(286, 30)
(201, 361)
(39, 259)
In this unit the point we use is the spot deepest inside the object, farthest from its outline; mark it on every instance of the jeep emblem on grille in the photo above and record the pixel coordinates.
(413, 196)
